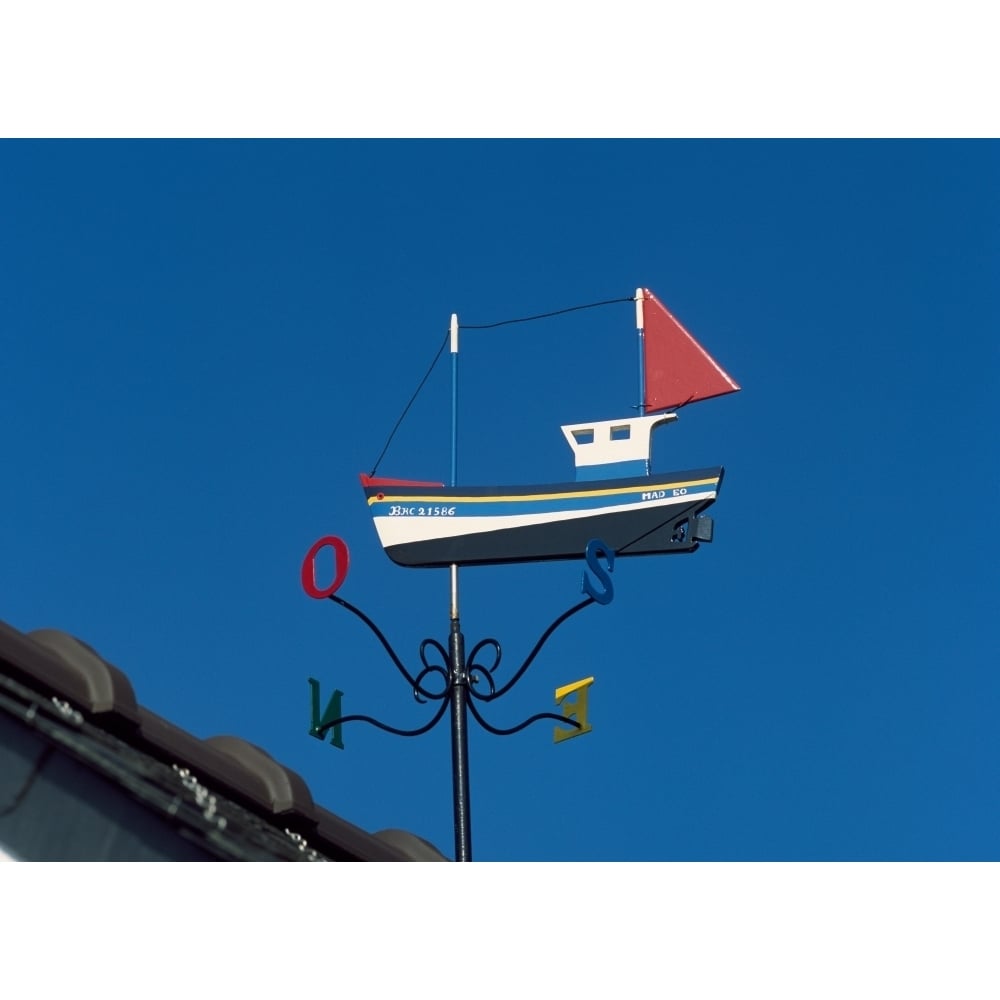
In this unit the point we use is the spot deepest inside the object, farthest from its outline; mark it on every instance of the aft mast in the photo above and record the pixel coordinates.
(640, 326)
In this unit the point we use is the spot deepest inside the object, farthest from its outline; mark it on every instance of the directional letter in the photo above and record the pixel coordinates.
(342, 560)
(333, 712)
(595, 549)
(575, 709)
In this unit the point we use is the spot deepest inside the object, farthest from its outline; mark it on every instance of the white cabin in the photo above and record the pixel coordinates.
(613, 449)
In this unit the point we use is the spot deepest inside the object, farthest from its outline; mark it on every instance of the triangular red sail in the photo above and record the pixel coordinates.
(678, 369)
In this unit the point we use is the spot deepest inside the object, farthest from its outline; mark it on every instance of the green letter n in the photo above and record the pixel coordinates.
(333, 712)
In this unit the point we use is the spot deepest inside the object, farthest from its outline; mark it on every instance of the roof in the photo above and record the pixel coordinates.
(86, 772)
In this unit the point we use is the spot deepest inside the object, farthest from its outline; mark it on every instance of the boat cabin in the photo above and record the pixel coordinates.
(613, 449)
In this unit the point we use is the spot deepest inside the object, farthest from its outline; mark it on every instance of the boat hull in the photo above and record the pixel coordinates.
(422, 525)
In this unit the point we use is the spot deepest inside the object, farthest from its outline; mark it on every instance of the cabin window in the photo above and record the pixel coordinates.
(622, 433)
(584, 437)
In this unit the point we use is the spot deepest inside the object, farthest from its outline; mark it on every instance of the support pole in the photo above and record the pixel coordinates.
(456, 658)
(460, 744)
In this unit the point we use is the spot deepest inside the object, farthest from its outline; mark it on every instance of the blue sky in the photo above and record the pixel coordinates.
(206, 342)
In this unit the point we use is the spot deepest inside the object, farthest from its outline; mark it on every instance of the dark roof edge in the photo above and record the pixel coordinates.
(62, 666)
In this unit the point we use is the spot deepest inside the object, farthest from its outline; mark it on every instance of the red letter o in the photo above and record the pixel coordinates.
(342, 560)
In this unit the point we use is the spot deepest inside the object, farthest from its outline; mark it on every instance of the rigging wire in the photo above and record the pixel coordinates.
(548, 315)
(483, 326)
(410, 403)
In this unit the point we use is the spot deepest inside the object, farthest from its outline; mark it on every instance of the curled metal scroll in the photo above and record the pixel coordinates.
(419, 693)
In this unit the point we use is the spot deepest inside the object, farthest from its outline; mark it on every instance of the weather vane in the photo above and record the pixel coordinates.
(617, 506)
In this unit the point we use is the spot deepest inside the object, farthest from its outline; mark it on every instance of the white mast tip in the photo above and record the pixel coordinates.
(454, 333)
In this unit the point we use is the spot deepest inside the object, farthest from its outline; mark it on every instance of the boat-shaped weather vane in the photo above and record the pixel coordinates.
(617, 506)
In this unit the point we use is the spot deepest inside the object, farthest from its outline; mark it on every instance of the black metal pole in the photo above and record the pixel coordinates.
(460, 743)
(458, 686)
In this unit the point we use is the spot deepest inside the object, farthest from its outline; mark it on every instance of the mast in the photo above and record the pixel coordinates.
(639, 325)
(454, 399)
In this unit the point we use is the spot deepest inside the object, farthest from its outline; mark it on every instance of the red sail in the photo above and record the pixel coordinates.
(678, 369)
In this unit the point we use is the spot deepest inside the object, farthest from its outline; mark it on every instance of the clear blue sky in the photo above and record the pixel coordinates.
(206, 342)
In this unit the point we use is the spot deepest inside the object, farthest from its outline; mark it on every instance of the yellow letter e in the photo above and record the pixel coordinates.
(575, 709)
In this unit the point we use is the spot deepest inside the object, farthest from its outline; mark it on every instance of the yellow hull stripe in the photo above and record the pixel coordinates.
(654, 484)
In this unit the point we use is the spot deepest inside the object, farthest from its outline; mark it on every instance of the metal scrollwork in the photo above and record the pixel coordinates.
(419, 693)
(479, 678)
(480, 672)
